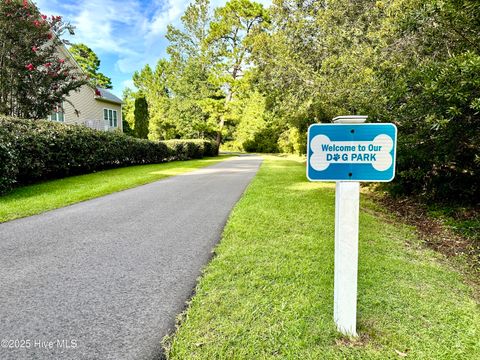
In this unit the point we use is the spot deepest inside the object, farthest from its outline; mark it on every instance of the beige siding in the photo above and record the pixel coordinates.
(85, 105)
(86, 109)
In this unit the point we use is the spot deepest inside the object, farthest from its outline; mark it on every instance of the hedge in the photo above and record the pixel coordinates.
(34, 150)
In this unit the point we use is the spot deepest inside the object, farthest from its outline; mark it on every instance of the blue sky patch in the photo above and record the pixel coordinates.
(125, 34)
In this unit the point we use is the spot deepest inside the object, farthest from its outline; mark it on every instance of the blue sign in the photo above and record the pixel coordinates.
(351, 152)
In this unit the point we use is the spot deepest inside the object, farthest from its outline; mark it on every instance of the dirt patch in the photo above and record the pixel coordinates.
(358, 341)
(435, 232)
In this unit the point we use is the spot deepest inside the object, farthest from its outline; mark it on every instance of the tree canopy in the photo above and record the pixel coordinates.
(90, 63)
(256, 78)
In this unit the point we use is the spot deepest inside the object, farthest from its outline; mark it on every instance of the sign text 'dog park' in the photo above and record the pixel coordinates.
(351, 152)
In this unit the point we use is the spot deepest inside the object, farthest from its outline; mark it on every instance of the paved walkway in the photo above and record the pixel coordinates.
(105, 279)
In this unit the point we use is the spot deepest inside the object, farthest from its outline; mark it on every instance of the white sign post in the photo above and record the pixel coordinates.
(347, 203)
(347, 196)
(348, 152)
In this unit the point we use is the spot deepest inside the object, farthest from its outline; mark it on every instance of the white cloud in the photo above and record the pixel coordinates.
(124, 28)
(128, 84)
(129, 64)
(131, 30)
(168, 12)
(107, 25)
(48, 6)
(121, 27)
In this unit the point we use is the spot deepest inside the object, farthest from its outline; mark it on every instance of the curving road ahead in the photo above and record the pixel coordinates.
(105, 278)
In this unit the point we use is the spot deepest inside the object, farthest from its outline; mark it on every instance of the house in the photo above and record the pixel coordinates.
(95, 108)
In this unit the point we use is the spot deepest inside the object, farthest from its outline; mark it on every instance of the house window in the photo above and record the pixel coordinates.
(57, 115)
(110, 117)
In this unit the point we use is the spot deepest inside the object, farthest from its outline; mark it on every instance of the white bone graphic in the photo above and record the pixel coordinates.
(381, 146)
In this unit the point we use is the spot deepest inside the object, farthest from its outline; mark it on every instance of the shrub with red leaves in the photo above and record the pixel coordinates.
(34, 77)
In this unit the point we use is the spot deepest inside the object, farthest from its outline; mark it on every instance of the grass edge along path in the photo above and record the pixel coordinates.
(37, 198)
(268, 292)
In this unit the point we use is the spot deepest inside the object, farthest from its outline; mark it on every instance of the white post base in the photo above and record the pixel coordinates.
(347, 196)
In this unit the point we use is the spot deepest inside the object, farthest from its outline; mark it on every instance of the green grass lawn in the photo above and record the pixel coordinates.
(268, 292)
(34, 199)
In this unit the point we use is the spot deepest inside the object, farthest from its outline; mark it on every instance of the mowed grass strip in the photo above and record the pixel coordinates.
(49, 195)
(268, 292)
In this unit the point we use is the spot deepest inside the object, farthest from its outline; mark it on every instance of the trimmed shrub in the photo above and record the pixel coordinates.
(31, 151)
(192, 149)
(210, 148)
(185, 150)
(8, 168)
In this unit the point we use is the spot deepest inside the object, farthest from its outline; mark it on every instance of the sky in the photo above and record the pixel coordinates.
(125, 34)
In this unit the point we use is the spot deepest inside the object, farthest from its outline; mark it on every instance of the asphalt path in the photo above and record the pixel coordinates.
(106, 278)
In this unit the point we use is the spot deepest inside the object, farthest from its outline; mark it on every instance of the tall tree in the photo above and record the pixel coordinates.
(189, 94)
(141, 117)
(190, 41)
(175, 88)
(128, 108)
(34, 78)
(90, 63)
(153, 85)
(232, 33)
(191, 64)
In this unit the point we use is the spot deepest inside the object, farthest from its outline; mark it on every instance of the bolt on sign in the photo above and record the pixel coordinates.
(349, 152)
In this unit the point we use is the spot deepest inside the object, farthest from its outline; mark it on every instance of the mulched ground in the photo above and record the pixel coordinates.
(436, 233)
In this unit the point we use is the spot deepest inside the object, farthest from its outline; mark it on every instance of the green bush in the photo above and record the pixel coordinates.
(210, 148)
(8, 169)
(264, 141)
(439, 142)
(31, 151)
(191, 149)
(232, 145)
(183, 150)
(292, 141)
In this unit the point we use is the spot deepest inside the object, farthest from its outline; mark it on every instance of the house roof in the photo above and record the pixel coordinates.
(106, 95)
